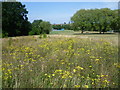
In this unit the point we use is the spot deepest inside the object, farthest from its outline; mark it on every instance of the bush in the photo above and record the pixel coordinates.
(44, 35)
(4, 34)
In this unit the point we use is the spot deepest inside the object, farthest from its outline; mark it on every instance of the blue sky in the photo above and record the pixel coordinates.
(60, 12)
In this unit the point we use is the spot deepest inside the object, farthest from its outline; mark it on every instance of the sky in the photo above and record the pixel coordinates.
(60, 12)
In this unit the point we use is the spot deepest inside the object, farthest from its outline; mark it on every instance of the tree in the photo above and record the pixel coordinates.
(81, 20)
(115, 21)
(36, 29)
(67, 26)
(104, 19)
(45, 27)
(14, 19)
(100, 20)
(57, 26)
(40, 27)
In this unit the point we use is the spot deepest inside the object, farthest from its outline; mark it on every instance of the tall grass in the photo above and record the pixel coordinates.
(59, 63)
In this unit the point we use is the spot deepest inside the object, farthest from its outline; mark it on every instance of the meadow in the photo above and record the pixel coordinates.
(73, 61)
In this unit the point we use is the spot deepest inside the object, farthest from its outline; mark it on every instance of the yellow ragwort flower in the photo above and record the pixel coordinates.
(76, 86)
(74, 70)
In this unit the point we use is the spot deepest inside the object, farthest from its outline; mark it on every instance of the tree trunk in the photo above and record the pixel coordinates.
(100, 29)
(104, 29)
(82, 31)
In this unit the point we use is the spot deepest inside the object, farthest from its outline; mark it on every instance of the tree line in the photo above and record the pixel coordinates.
(15, 21)
(101, 20)
(62, 26)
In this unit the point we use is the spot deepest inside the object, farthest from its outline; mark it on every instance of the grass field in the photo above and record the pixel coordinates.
(71, 32)
(65, 32)
(60, 61)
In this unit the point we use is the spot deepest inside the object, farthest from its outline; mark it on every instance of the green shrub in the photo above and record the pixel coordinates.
(44, 35)
(4, 35)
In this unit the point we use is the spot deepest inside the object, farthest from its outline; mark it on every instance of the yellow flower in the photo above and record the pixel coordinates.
(70, 76)
(106, 81)
(9, 70)
(6, 78)
(76, 86)
(90, 66)
(53, 74)
(85, 86)
(58, 71)
(67, 72)
(78, 67)
(82, 49)
(3, 68)
(63, 76)
(33, 60)
(63, 63)
(45, 74)
(49, 76)
(98, 75)
(6, 73)
(96, 59)
(102, 75)
(92, 82)
(74, 70)
(100, 57)
(64, 85)
(21, 65)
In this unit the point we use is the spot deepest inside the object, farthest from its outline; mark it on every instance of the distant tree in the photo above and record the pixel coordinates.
(14, 19)
(45, 27)
(57, 26)
(36, 29)
(62, 26)
(81, 19)
(115, 21)
(105, 17)
(66, 26)
(40, 27)
(100, 20)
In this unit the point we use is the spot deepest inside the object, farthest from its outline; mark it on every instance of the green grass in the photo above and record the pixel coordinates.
(60, 62)
(65, 32)
(71, 32)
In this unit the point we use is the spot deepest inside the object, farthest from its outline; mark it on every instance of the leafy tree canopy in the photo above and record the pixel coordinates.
(100, 20)
(14, 19)
(40, 27)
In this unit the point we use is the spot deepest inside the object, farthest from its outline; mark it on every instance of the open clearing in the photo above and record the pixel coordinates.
(60, 61)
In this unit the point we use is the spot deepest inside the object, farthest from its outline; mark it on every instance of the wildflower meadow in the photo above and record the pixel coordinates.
(60, 62)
